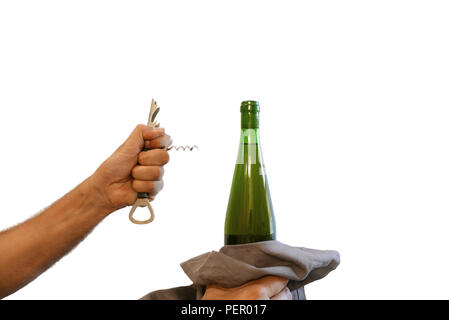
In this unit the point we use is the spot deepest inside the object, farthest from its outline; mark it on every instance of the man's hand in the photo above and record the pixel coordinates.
(266, 288)
(130, 170)
(33, 246)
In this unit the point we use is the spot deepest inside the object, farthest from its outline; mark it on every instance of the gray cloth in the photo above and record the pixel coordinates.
(235, 265)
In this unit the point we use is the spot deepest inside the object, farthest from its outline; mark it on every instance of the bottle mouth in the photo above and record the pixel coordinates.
(250, 106)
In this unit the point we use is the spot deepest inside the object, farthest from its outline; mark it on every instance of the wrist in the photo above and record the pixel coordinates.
(94, 197)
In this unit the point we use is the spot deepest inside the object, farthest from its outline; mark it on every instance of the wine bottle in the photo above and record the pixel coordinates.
(249, 217)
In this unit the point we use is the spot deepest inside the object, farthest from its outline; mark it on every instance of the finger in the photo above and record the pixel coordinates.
(148, 173)
(159, 142)
(136, 140)
(150, 133)
(271, 285)
(283, 295)
(151, 187)
(155, 157)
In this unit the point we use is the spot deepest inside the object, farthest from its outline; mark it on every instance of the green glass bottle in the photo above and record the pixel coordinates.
(250, 216)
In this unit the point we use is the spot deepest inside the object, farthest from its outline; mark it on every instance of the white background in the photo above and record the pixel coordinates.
(354, 128)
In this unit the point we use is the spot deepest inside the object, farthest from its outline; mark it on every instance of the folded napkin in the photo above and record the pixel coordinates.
(235, 265)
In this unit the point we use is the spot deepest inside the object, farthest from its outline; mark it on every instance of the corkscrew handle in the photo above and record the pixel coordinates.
(142, 197)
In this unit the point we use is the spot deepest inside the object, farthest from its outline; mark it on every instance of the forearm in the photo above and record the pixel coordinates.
(30, 248)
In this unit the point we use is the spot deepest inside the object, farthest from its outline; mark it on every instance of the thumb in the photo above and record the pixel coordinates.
(136, 139)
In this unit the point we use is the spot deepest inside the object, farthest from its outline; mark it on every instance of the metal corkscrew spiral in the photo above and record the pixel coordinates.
(143, 197)
(184, 148)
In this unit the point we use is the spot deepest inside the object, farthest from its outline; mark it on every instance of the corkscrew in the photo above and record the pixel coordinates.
(143, 197)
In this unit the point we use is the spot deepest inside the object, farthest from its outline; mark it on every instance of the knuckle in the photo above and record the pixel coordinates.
(139, 127)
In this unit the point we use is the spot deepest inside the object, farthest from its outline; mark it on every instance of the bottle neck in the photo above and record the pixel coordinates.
(249, 136)
(249, 150)
(250, 120)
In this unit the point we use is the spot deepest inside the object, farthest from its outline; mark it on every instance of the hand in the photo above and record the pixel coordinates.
(130, 170)
(266, 288)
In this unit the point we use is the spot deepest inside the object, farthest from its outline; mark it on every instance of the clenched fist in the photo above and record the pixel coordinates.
(130, 170)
